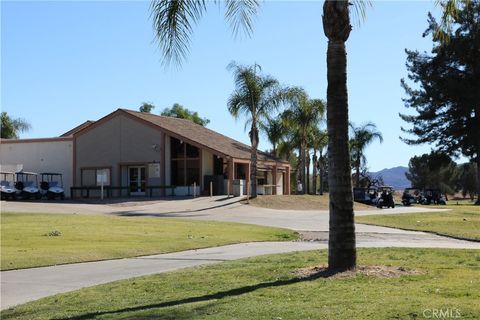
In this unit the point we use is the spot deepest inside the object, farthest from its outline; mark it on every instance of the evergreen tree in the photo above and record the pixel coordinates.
(447, 99)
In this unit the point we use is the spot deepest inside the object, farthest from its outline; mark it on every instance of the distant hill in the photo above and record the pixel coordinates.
(394, 177)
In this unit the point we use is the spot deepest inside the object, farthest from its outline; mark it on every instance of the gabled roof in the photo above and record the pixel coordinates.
(191, 133)
(77, 128)
(203, 136)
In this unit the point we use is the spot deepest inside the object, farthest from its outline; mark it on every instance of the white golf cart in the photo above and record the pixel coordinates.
(8, 185)
(27, 185)
(52, 185)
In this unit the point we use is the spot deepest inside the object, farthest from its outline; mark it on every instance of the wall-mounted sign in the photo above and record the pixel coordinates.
(154, 170)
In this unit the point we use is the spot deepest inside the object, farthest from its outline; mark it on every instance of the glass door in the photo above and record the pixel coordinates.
(136, 180)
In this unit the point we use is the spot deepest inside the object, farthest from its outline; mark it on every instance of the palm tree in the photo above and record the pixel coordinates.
(275, 131)
(302, 115)
(318, 141)
(255, 97)
(12, 127)
(342, 252)
(362, 136)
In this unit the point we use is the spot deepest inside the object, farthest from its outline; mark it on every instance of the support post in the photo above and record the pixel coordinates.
(274, 178)
(287, 178)
(211, 188)
(231, 175)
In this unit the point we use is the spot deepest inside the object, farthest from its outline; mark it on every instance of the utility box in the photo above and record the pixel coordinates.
(238, 187)
(217, 181)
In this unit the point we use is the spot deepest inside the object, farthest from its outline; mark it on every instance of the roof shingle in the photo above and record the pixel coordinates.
(203, 136)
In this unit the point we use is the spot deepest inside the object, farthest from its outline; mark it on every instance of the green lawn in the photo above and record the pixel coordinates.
(266, 288)
(32, 240)
(462, 221)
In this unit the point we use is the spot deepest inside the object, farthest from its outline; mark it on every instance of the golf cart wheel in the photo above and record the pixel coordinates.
(62, 196)
(38, 195)
(50, 196)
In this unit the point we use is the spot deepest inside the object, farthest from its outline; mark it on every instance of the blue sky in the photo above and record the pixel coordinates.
(66, 62)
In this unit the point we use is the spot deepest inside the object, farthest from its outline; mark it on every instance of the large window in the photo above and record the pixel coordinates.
(94, 176)
(185, 163)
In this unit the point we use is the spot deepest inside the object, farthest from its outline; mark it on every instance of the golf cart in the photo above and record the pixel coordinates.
(385, 198)
(52, 185)
(8, 185)
(433, 196)
(410, 196)
(27, 185)
(365, 195)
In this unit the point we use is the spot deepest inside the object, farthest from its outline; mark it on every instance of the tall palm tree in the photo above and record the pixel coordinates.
(302, 115)
(275, 131)
(342, 252)
(318, 141)
(362, 136)
(255, 97)
(10, 128)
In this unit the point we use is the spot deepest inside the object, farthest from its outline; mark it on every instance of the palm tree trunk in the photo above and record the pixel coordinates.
(478, 179)
(253, 160)
(321, 172)
(307, 166)
(357, 172)
(315, 164)
(341, 244)
(302, 167)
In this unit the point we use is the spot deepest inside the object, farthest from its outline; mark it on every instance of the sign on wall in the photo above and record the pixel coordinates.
(154, 170)
(103, 176)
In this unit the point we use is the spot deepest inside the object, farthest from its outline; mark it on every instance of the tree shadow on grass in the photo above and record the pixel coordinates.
(208, 297)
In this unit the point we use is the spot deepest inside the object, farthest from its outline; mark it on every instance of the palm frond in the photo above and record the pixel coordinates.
(173, 23)
(240, 15)
(359, 12)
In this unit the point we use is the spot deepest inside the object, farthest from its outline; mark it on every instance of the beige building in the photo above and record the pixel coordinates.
(133, 153)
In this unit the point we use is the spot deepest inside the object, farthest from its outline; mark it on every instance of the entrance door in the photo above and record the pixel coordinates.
(136, 180)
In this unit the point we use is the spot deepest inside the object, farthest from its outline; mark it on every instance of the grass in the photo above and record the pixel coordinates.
(462, 221)
(267, 288)
(298, 202)
(33, 240)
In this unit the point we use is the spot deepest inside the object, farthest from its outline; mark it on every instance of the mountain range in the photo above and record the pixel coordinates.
(394, 177)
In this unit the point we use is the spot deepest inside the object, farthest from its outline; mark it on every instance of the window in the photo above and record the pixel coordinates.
(92, 176)
(185, 163)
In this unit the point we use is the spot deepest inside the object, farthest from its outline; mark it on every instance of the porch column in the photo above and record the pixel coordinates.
(274, 178)
(249, 186)
(287, 181)
(231, 174)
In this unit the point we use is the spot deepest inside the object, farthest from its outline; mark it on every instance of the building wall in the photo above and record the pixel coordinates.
(40, 156)
(207, 163)
(118, 141)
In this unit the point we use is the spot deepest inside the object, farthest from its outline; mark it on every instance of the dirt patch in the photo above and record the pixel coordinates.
(312, 236)
(371, 271)
(298, 202)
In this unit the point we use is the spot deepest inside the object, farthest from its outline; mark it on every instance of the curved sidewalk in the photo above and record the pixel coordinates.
(21, 286)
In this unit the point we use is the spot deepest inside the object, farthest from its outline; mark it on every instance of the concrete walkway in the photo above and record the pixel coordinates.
(20, 286)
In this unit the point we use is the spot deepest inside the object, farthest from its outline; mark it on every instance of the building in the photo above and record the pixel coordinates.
(136, 153)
